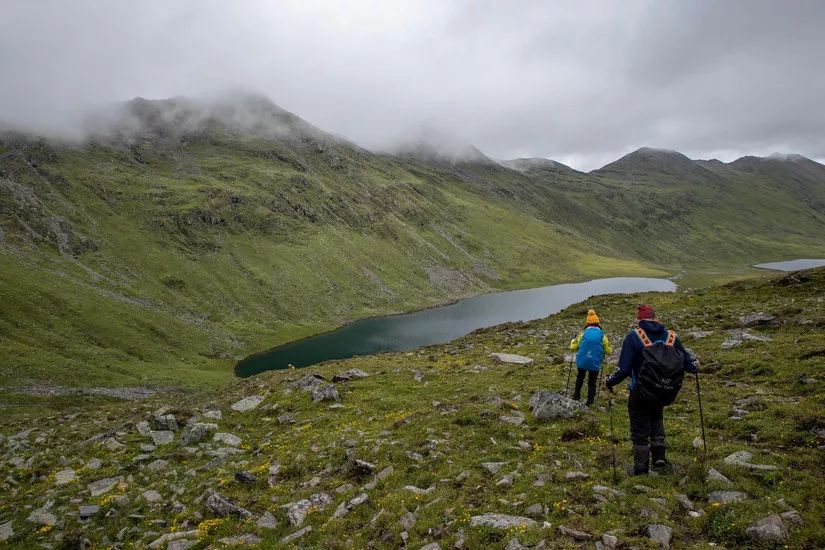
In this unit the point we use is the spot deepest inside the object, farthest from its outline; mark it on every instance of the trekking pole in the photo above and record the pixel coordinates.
(599, 383)
(612, 439)
(701, 414)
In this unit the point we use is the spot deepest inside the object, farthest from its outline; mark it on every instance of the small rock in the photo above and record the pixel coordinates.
(297, 511)
(407, 521)
(769, 529)
(214, 414)
(431, 546)
(575, 476)
(574, 533)
(103, 486)
(511, 358)
(349, 375)
(42, 517)
(547, 405)
(163, 437)
(222, 506)
(6, 531)
(715, 475)
(241, 540)
(609, 541)
(157, 465)
(88, 511)
(64, 477)
(267, 521)
(95, 464)
(500, 521)
(227, 439)
(726, 497)
(195, 433)
(165, 422)
(181, 544)
(296, 535)
(492, 467)
(685, 502)
(325, 393)
(152, 496)
(516, 419)
(793, 517)
(418, 490)
(246, 477)
(535, 511)
(660, 534)
(506, 481)
(756, 319)
(169, 538)
(345, 507)
(286, 419)
(247, 403)
(742, 459)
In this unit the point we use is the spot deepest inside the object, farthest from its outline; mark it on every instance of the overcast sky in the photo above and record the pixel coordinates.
(580, 82)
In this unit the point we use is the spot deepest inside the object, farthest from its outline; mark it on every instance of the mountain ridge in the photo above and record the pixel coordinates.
(192, 242)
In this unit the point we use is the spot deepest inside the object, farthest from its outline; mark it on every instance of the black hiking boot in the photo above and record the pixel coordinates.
(641, 460)
(659, 459)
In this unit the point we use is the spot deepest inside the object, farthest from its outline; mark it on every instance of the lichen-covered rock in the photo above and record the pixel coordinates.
(548, 405)
(511, 358)
(227, 439)
(349, 375)
(247, 403)
(769, 529)
(103, 486)
(64, 477)
(327, 392)
(742, 459)
(195, 433)
(222, 506)
(660, 534)
(296, 512)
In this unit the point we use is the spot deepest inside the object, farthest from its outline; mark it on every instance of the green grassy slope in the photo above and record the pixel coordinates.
(159, 257)
(435, 416)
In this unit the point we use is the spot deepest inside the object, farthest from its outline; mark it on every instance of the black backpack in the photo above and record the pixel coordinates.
(660, 376)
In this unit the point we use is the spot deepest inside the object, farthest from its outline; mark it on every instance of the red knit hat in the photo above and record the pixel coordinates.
(645, 312)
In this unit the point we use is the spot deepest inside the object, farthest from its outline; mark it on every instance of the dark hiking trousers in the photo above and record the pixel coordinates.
(647, 425)
(592, 380)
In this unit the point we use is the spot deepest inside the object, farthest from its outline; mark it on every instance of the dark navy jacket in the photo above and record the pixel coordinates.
(630, 360)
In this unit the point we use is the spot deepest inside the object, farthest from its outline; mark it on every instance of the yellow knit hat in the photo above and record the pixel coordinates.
(592, 318)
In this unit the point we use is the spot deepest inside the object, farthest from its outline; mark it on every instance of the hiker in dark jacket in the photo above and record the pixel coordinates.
(590, 346)
(647, 429)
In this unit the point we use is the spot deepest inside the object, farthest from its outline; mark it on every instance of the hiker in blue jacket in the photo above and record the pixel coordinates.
(647, 428)
(591, 345)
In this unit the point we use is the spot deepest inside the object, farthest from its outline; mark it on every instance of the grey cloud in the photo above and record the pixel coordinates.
(580, 82)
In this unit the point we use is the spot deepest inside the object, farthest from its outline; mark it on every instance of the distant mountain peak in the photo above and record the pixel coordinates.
(789, 157)
(532, 164)
(437, 146)
(649, 160)
(241, 112)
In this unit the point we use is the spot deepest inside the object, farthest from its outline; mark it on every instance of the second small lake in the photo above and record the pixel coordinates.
(441, 324)
(792, 265)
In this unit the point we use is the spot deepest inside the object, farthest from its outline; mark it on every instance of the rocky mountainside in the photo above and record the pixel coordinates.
(453, 446)
(183, 235)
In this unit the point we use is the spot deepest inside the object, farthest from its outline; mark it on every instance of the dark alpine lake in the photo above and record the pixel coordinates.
(792, 265)
(441, 324)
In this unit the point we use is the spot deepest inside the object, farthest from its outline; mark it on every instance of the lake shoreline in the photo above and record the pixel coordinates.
(496, 292)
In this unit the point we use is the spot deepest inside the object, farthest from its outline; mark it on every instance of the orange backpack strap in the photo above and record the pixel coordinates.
(671, 338)
(643, 337)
